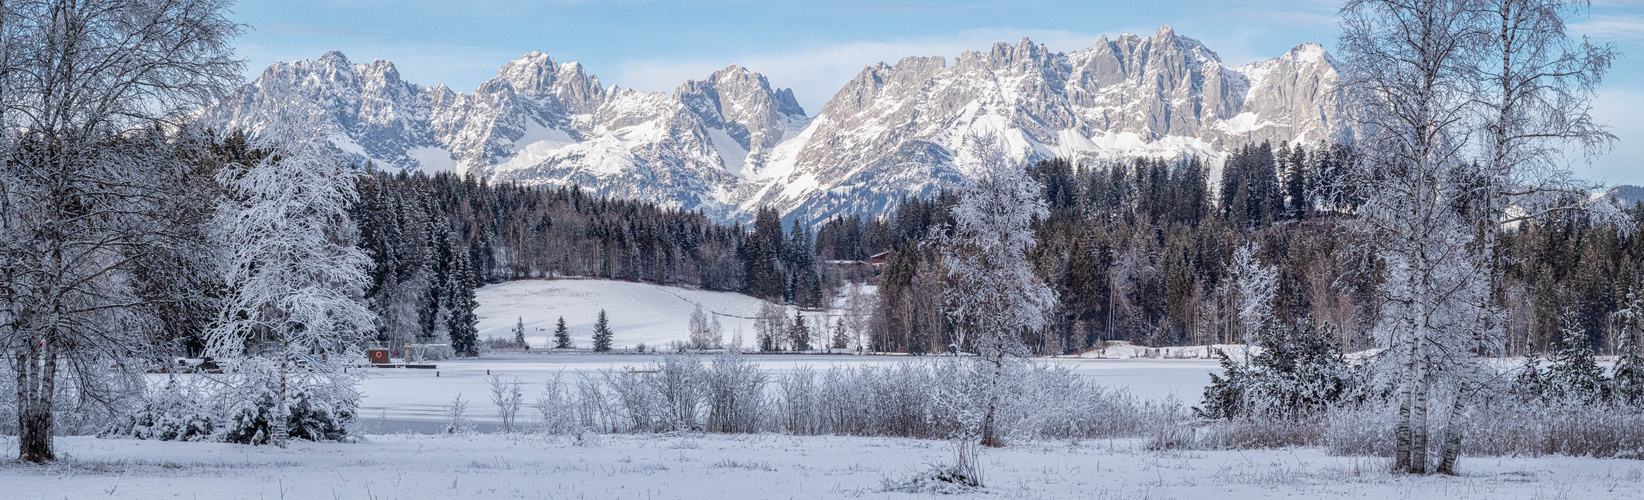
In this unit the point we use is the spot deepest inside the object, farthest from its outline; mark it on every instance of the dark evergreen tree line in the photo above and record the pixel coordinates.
(1138, 251)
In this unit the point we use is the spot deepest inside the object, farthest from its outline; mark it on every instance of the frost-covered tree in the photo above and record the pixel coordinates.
(1408, 75)
(84, 87)
(716, 334)
(700, 330)
(1573, 375)
(858, 311)
(1628, 379)
(293, 273)
(994, 297)
(770, 327)
(562, 335)
(1256, 285)
(1535, 84)
(602, 332)
(1298, 372)
(1412, 71)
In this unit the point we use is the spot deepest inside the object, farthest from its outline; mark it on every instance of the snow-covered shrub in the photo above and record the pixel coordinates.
(456, 417)
(315, 413)
(1499, 422)
(555, 408)
(798, 406)
(508, 397)
(678, 384)
(173, 412)
(735, 392)
(1297, 371)
(1053, 402)
(960, 477)
(320, 407)
(635, 399)
(593, 407)
(250, 416)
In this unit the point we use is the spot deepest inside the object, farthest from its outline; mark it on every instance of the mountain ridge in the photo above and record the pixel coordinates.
(731, 142)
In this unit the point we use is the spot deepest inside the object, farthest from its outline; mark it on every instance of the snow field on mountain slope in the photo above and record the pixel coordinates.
(694, 466)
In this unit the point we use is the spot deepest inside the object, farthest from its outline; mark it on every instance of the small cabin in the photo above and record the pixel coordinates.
(880, 258)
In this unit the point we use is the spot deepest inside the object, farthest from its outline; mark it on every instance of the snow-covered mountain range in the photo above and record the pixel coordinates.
(730, 142)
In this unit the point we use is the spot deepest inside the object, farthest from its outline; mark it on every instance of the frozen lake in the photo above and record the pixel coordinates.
(415, 399)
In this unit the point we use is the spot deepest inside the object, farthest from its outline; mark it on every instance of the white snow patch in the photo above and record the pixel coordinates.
(731, 153)
(433, 159)
(346, 144)
(541, 138)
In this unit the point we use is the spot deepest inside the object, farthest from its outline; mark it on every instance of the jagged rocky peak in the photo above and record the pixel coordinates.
(732, 141)
(742, 104)
(537, 74)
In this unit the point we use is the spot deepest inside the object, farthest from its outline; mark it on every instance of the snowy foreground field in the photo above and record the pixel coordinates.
(761, 467)
(394, 460)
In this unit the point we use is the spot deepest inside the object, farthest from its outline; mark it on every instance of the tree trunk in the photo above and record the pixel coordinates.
(1418, 425)
(36, 383)
(278, 427)
(1403, 432)
(990, 435)
(1451, 447)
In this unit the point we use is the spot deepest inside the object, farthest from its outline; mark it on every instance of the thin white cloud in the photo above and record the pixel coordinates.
(1612, 27)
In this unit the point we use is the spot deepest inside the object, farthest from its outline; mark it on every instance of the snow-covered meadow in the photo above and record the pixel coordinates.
(640, 313)
(395, 458)
(693, 466)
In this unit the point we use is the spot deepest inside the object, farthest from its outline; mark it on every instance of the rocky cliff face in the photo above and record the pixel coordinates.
(730, 142)
(896, 129)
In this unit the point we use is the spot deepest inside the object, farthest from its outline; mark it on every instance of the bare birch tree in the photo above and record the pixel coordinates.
(84, 87)
(1414, 71)
(994, 296)
(1408, 70)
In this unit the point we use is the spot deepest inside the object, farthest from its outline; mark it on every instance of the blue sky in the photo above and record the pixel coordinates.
(814, 47)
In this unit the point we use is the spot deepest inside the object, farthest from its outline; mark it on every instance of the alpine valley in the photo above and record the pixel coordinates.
(731, 142)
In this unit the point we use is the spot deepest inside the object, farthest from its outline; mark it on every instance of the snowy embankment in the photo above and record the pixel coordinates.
(760, 467)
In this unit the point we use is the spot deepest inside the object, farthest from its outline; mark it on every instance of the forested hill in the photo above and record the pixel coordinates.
(419, 230)
(1138, 250)
(1144, 251)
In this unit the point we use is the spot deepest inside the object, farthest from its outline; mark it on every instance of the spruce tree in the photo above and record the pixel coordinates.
(519, 332)
(562, 335)
(602, 333)
(800, 333)
(1628, 380)
(1574, 375)
(841, 337)
(462, 324)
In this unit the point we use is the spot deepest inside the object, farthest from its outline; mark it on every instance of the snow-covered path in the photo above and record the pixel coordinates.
(760, 467)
